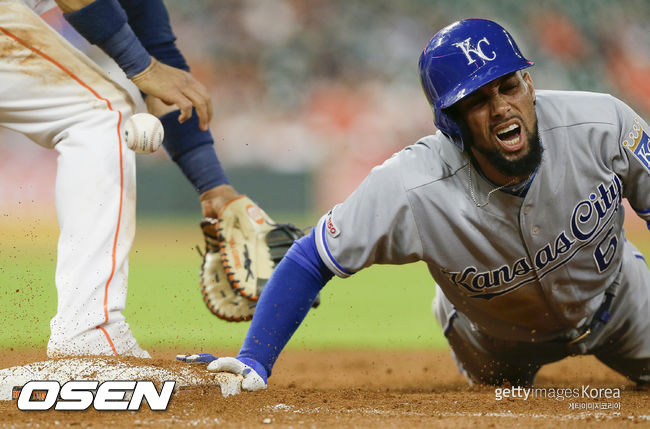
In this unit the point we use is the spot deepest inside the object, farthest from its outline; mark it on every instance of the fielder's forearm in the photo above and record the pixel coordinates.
(193, 151)
(149, 20)
(284, 303)
(104, 23)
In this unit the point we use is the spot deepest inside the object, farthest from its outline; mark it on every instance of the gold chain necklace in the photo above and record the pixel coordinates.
(471, 188)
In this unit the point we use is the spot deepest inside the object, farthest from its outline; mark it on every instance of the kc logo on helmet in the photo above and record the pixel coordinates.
(77, 395)
(477, 50)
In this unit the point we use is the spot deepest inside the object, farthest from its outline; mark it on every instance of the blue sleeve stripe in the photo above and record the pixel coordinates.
(324, 251)
(450, 319)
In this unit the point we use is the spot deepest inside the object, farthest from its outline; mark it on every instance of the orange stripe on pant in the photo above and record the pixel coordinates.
(119, 139)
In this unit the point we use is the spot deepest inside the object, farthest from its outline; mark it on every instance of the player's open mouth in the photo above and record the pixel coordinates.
(510, 137)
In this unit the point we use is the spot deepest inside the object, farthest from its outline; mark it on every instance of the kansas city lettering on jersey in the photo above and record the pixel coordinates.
(589, 218)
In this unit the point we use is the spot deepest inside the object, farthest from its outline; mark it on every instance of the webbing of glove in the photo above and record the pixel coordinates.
(218, 295)
(280, 239)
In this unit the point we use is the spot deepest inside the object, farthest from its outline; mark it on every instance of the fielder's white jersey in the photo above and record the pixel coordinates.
(519, 268)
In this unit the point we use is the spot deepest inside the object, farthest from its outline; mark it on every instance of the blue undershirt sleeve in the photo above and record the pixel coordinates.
(104, 23)
(284, 303)
(189, 147)
(193, 151)
(149, 20)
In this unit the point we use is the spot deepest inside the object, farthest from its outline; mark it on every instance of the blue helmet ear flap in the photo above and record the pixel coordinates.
(460, 59)
(449, 128)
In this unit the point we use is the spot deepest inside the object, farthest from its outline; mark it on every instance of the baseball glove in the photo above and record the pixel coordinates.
(220, 298)
(242, 247)
(252, 245)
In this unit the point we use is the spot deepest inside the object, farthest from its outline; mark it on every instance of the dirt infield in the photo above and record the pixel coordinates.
(367, 389)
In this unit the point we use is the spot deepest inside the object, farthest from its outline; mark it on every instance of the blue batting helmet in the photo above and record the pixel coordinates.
(460, 59)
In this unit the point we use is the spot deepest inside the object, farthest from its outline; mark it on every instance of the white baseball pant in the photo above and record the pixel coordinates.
(57, 97)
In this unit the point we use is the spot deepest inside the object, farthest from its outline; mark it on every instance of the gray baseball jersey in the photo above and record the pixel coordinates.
(519, 268)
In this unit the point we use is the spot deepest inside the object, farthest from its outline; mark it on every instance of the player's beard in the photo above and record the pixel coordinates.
(523, 166)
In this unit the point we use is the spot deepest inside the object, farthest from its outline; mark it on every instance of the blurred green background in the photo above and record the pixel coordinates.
(382, 306)
(379, 307)
(308, 95)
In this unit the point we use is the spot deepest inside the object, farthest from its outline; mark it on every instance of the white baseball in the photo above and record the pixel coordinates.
(143, 133)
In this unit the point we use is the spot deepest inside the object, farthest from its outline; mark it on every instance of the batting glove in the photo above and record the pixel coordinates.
(253, 372)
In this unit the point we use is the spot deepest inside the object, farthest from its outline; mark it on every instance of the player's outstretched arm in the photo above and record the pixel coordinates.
(105, 23)
(284, 303)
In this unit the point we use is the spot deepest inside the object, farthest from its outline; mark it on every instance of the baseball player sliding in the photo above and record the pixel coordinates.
(514, 205)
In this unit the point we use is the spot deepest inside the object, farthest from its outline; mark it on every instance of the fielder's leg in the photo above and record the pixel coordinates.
(58, 98)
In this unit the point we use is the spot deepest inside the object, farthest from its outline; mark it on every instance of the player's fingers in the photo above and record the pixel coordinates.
(227, 364)
(158, 107)
(203, 106)
(252, 381)
(185, 106)
(203, 91)
(209, 112)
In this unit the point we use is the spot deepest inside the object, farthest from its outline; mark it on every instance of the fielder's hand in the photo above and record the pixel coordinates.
(178, 87)
(242, 248)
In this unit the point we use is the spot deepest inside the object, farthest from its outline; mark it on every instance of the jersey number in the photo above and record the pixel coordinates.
(605, 251)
